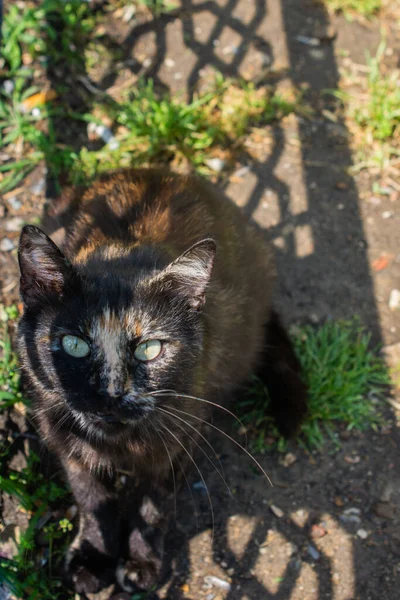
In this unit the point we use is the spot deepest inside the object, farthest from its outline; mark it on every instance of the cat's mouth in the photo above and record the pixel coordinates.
(111, 419)
(113, 422)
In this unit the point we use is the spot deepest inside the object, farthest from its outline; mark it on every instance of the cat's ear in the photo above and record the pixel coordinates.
(190, 273)
(44, 268)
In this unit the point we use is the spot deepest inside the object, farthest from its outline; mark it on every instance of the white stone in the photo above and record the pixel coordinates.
(394, 299)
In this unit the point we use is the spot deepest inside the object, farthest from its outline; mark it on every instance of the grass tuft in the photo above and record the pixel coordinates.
(372, 110)
(352, 8)
(344, 377)
(147, 126)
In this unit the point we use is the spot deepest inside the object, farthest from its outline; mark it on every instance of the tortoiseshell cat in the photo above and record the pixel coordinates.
(160, 297)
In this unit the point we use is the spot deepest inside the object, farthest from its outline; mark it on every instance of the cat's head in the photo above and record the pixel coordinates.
(99, 341)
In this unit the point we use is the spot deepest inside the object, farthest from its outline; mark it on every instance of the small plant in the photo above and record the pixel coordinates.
(342, 375)
(157, 7)
(32, 573)
(9, 373)
(379, 116)
(373, 113)
(350, 8)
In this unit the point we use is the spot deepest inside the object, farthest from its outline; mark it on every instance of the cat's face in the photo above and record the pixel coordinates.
(104, 342)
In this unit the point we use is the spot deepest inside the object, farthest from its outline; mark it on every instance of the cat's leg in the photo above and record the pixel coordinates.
(93, 555)
(280, 370)
(143, 562)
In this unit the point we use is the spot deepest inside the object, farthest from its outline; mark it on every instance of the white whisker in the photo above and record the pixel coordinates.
(200, 474)
(227, 436)
(198, 445)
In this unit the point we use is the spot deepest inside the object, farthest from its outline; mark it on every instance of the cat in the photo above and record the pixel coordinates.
(157, 305)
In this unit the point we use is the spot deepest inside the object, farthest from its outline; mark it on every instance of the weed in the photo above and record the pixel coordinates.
(9, 372)
(373, 113)
(342, 375)
(351, 8)
(149, 127)
(157, 7)
(379, 116)
(29, 574)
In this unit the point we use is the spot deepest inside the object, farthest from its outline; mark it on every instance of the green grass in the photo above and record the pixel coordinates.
(342, 374)
(149, 126)
(372, 110)
(30, 574)
(379, 116)
(157, 7)
(351, 8)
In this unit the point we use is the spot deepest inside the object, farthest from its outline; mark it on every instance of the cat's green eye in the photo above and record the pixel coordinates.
(75, 346)
(148, 350)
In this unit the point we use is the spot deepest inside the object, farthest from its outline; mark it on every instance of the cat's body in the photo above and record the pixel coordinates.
(158, 265)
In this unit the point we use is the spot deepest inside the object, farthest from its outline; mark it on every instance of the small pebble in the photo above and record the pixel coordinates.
(308, 41)
(198, 485)
(288, 460)
(352, 511)
(362, 533)
(375, 201)
(387, 214)
(242, 171)
(14, 203)
(394, 299)
(169, 62)
(227, 50)
(350, 519)
(336, 578)
(14, 224)
(316, 53)
(384, 510)
(129, 12)
(38, 188)
(113, 144)
(278, 512)
(318, 531)
(215, 164)
(218, 582)
(8, 86)
(6, 245)
(352, 460)
(313, 552)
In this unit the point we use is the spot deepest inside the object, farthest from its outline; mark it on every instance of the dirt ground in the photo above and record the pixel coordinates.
(329, 528)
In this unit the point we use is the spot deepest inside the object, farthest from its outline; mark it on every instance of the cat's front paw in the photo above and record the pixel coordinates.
(85, 582)
(135, 574)
(89, 572)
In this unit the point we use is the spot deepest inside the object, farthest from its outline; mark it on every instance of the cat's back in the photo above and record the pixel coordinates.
(169, 212)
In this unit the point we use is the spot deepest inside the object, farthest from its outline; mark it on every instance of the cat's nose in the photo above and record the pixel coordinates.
(116, 394)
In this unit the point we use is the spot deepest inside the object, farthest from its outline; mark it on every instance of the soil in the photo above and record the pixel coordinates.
(329, 528)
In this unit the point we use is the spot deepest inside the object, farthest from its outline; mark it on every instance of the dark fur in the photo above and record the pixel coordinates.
(139, 262)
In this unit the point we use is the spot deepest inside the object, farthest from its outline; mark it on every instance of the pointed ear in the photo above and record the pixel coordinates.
(189, 275)
(44, 268)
